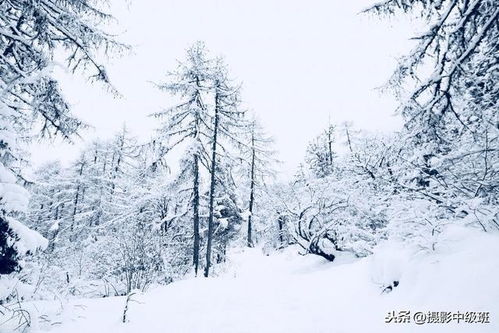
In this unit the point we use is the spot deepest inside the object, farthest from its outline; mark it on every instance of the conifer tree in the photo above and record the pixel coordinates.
(30, 98)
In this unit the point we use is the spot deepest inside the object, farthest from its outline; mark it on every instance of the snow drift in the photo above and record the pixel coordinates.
(286, 292)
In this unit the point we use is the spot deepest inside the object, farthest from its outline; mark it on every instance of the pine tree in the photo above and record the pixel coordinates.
(205, 122)
(320, 154)
(189, 123)
(260, 160)
(227, 120)
(451, 135)
(30, 32)
(227, 214)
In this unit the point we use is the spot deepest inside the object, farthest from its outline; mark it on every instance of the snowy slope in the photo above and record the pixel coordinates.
(287, 292)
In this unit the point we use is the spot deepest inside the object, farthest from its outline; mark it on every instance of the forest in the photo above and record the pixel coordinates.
(201, 211)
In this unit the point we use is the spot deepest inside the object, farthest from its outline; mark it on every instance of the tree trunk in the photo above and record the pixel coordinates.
(55, 233)
(195, 208)
(252, 191)
(280, 222)
(75, 207)
(77, 198)
(212, 187)
(330, 145)
(117, 167)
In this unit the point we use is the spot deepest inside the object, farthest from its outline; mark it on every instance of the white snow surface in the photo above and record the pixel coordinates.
(287, 292)
(29, 240)
(13, 197)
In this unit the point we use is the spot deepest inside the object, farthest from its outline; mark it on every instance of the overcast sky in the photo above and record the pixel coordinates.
(300, 62)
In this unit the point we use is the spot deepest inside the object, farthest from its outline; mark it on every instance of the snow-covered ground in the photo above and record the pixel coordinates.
(287, 292)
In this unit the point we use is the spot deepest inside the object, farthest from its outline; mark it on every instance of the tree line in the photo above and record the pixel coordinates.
(121, 217)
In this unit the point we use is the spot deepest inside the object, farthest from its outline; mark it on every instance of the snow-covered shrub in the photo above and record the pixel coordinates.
(342, 211)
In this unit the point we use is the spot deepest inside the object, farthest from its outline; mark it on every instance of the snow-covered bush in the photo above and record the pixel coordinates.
(345, 209)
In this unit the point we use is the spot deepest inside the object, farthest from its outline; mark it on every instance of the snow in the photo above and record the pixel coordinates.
(13, 197)
(224, 223)
(287, 292)
(29, 240)
(10, 283)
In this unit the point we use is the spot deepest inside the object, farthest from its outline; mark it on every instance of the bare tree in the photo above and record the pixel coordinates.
(227, 120)
(260, 159)
(189, 121)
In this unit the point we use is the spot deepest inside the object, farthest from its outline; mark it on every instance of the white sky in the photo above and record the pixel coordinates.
(301, 63)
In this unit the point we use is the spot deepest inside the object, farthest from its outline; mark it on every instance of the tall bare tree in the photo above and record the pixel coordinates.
(227, 121)
(260, 160)
(189, 123)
